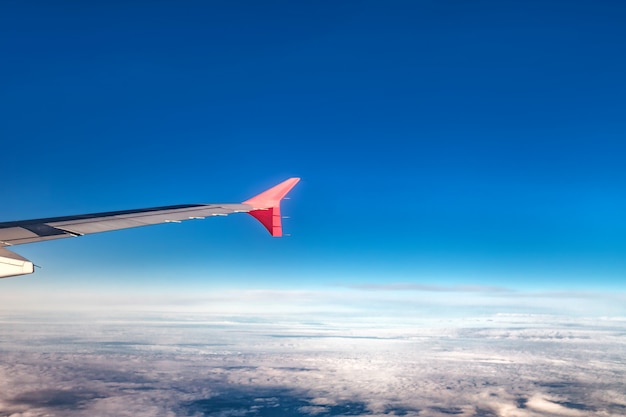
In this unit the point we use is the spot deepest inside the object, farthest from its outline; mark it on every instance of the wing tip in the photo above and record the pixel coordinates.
(272, 196)
(266, 206)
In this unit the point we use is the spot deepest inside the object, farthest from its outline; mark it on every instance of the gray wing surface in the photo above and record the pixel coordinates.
(264, 207)
(36, 230)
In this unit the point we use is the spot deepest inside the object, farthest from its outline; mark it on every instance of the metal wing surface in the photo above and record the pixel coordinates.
(36, 230)
(264, 207)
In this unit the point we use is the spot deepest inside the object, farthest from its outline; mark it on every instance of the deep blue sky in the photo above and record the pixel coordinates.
(439, 142)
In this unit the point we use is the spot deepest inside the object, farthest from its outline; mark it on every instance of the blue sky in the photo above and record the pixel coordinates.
(439, 142)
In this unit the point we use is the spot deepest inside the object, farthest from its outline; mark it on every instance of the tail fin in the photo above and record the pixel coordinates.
(266, 206)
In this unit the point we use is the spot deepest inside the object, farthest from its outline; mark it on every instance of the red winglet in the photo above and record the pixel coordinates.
(266, 206)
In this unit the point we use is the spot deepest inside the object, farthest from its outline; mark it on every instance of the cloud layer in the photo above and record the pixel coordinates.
(171, 365)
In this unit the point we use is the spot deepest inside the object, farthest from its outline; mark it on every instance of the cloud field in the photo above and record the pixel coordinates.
(508, 365)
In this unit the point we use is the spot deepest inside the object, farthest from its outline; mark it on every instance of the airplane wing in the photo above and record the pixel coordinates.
(264, 207)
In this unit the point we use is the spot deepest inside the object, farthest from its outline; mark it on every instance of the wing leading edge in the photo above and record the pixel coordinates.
(264, 207)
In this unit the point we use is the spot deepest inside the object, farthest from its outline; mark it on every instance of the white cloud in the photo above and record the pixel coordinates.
(167, 364)
(545, 404)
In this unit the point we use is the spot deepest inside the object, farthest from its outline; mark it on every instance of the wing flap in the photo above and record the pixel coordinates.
(85, 228)
(16, 233)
